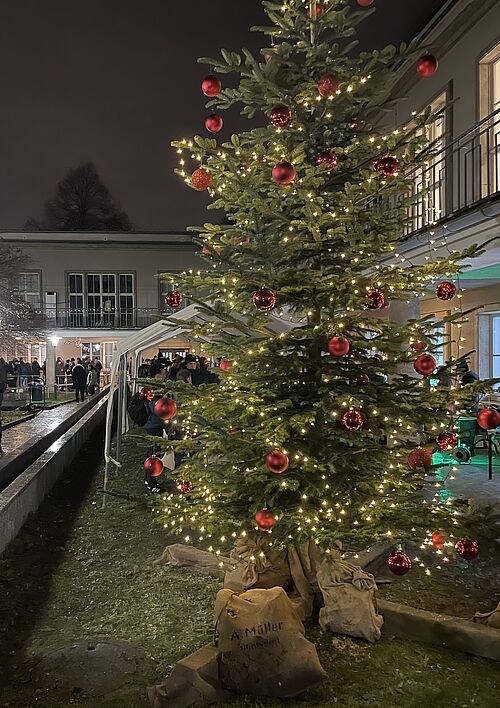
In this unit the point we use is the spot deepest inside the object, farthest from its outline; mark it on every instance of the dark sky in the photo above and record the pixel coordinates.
(113, 81)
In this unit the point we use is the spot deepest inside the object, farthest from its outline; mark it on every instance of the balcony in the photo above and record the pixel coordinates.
(465, 173)
(101, 319)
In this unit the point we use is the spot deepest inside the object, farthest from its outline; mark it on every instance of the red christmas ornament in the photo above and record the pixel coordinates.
(173, 298)
(211, 85)
(265, 520)
(468, 549)
(420, 458)
(418, 345)
(488, 418)
(388, 165)
(201, 179)
(146, 394)
(284, 173)
(427, 65)
(361, 379)
(437, 540)
(328, 85)
(375, 299)
(165, 408)
(153, 466)
(264, 299)
(446, 290)
(184, 485)
(365, 3)
(446, 441)
(277, 462)
(424, 364)
(338, 346)
(399, 563)
(280, 115)
(319, 10)
(226, 364)
(214, 123)
(326, 157)
(352, 419)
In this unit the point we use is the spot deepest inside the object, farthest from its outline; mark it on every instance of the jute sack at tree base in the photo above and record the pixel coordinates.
(349, 596)
(491, 619)
(263, 650)
(255, 564)
(190, 557)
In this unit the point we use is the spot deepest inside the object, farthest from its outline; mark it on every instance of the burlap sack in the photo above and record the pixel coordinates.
(190, 557)
(349, 596)
(491, 619)
(263, 650)
(255, 564)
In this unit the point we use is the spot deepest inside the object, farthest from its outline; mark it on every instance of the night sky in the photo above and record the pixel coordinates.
(113, 81)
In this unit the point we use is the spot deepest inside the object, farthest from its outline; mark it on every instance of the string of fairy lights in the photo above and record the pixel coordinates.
(224, 171)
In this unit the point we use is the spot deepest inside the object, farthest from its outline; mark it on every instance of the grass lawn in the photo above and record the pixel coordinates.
(76, 571)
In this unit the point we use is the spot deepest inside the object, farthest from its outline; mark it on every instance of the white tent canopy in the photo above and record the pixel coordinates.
(132, 346)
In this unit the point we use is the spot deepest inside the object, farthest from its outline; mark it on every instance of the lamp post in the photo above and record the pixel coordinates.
(50, 363)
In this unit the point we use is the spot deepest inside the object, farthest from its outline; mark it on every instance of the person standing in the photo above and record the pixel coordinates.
(79, 380)
(98, 369)
(3, 380)
(59, 373)
(35, 367)
(92, 380)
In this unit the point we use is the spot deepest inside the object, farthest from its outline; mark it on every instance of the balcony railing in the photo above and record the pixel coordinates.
(465, 172)
(137, 318)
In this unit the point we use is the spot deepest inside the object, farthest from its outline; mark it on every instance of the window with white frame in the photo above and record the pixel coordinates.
(101, 299)
(495, 346)
(429, 181)
(489, 98)
(107, 354)
(29, 288)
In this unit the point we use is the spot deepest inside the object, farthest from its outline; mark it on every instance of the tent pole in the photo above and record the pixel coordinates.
(119, 417)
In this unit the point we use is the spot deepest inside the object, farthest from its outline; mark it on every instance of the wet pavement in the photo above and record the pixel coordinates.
(36, 428)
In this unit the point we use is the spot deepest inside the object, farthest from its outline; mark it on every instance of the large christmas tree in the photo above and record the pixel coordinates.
(324, 397)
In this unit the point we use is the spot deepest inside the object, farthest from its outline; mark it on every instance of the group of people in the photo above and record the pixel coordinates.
(190, 369)
(81, 375)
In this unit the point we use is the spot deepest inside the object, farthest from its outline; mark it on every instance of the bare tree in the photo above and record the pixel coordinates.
(82, 203)
(18, 319)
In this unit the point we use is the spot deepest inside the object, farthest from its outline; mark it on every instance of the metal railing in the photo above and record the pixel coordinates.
(465, 172)
(137, 318)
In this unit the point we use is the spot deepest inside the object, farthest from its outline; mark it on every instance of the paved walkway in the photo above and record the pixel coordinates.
(470, 481)
(32, 430)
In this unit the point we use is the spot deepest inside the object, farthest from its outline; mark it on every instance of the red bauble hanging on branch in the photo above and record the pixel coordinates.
(173, 299)
(427, 65)
(328, 158)
(467, 548)
(201, 179)
(319, 10)
(418, 345)
(277, 462)
(211, 85)
(446, 290)
(375, 299)
(328, 85)
(365, 3)
(352, 419)
(214, 123)
(165, 408)
(488, 418)
(399, 563)
(446, 441)
(424, 364)
(437, 540)
(284, 173)
(387, 165)
(338, 346)
(153, 466)
(184, 485)
(146, 394)
(264, 299)
(265, 520)
(280, 115)
(420, 459)
(226, 364)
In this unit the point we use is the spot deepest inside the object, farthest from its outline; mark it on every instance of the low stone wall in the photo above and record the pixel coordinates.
(24, 495)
